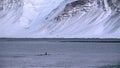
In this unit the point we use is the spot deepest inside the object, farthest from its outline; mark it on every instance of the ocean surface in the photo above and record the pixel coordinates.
(56, 54)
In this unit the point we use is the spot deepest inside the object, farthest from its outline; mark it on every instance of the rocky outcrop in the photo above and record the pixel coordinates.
(8, 5)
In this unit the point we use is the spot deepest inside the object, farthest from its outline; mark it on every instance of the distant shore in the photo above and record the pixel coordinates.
(117, 40)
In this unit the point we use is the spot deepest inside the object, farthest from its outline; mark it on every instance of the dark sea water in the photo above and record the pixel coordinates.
(53, 54)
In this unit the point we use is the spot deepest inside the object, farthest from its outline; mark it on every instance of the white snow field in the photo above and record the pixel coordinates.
(31, 54)
(60, 18)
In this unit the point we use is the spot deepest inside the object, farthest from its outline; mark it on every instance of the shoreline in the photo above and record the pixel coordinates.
(116, 40)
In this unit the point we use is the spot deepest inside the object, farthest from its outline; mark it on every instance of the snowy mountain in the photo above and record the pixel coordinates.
(60, 18)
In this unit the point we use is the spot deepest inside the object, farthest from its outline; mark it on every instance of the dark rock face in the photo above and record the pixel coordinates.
(79, 2)
(7, 5)
(71, 9)
(75, 3)
(74, 7)
(1, 8)
(114, 4)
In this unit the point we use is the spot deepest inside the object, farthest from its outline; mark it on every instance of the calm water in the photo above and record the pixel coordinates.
(31, 54)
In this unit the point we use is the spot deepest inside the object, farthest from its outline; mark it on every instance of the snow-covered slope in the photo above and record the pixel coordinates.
(60, 18)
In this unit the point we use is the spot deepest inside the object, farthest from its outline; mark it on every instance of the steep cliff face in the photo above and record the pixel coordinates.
(88, 18)
(6, 6)
(63, 18)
